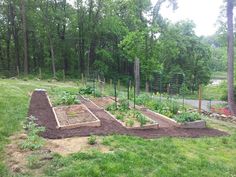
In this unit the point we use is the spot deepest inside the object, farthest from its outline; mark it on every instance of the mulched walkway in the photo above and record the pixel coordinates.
(41, 109)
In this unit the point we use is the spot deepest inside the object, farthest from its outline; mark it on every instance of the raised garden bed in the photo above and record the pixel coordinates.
(75, 116)
(192, 124)
(130, 118)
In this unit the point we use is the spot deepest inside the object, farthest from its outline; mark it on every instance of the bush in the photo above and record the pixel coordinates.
(33, 141)
(187, 117)
(92, 140)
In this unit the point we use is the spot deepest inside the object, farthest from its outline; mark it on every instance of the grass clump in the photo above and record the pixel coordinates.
(92, 140)
(33, 141)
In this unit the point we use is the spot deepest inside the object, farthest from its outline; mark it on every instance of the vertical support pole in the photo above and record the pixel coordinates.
(18, 71)
(64, 77)
(40, 73)
(134, 94)
(82, 78)
(210, 105)
(110, 83)
(115, 93)
(200, 98)
(160, 86)
(94, 89)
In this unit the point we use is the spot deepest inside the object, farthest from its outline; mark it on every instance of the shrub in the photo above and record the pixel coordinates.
(33, 141)
(187, 117)
(92, 140)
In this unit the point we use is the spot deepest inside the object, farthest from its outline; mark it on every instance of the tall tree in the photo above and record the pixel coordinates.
(23, 13)
(230, 35)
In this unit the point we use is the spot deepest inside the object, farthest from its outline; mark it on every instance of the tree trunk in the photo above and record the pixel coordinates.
(15, 34)
(26, 64)
(230, 51)
(53, 59)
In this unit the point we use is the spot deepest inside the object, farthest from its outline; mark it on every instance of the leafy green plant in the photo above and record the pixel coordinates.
(92, 140)
(124, 105)
(111, 107)
(33, 141)
(187, 117)
(129, 123)
(141, 118)
(120, 117)
(88, 90)
(67, 98)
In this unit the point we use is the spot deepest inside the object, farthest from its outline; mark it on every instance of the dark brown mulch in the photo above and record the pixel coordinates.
(41, 109)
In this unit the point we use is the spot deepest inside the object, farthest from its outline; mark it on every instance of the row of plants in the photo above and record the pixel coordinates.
(168, 108)
(64, 96)
(130, 117)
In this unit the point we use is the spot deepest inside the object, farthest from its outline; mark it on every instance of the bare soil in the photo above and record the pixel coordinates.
(75, 114)
(18, 159)
(103, 102)
(41, 109)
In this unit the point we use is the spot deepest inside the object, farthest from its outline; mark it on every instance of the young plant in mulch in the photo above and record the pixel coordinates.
(33, 141)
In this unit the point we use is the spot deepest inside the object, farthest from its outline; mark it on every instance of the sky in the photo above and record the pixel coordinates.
(203, 13)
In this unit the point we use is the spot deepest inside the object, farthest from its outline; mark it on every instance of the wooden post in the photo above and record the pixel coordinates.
(18, 71)
(137, 75)
(82, 78)
(110, 82)
(200, 98)
(64, 77)
(40, 73)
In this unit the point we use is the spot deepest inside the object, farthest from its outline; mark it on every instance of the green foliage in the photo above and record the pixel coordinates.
(129, 122)
(141, 118)
(33, 141)
(33, 161)
(88, 90)
(123, 105)
(92, 140)
(67, 98)
(187, 117)
(111, 107)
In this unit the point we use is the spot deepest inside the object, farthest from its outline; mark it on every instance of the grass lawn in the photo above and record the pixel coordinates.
(129, 156)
